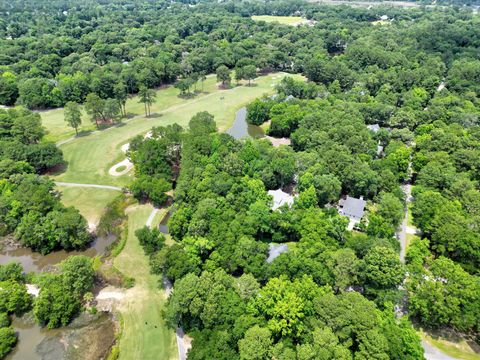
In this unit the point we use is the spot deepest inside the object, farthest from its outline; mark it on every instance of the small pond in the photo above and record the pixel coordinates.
(87, 337)
(163, 227)
(36, 262)
(241, 129)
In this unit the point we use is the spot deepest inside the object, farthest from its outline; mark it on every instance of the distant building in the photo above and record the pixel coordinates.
(352, 208)
(280, 198)
(274, 251)
(374, 127)
(379, 150)
(384, 17)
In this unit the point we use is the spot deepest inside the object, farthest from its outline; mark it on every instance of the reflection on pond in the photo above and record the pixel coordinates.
(36, 262)
(30, 335)
(241, 129)
(87, 337)
(163, 227)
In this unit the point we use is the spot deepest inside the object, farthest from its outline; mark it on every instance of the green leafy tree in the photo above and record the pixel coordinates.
(77, 274)
(147, 97)
(14, 298)
(73, 115)
(325, 346)
(382, 268)
(12, 271)
(94, 106)
(202, 123)
(390, 208)
(223, 75)
(121, 95)
(56, 305)
(8, 89)
(8, 339)
(111, 109)
(445, 295)
(256, 344)
(152, 240)
(258, 110)
(249, 73)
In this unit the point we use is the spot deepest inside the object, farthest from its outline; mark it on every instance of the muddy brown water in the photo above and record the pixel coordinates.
(163, 226)
(35, 342)
(35, 262)
(88, 337)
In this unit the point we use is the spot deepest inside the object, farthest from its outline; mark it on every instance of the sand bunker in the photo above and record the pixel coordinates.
(125, 165)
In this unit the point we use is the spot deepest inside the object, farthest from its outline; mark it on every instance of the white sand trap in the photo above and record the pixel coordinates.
(125, 162)
(125, 147)
(110, 293)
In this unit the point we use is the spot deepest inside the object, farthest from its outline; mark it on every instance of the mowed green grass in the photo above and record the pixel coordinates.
(456, 349)
(145, 335)
(57, 128)
(286, 20)
(91, 202)
(90, 157)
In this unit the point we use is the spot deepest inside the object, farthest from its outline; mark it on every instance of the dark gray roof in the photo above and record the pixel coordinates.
(352, 207)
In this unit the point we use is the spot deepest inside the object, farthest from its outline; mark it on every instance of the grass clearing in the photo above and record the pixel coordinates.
(410, 238)
(458, 348)
(145, 335)
(286, 20)
(57, 129)
(89, 201)
(90, 157)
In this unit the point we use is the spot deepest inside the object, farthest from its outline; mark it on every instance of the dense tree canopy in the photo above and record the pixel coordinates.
(383, 103)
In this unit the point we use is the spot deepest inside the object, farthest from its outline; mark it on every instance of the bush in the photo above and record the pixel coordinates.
(14, 298)
(8, 339)
(4, 320)
(113, 216)
(258, 110)
(152, 240)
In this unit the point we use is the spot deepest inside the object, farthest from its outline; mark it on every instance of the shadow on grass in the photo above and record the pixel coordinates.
(57, 169)
(187, 96)
(83, 133)
(154, 115)
(130, 115)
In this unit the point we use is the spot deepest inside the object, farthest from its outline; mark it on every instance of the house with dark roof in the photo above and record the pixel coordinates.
(352, 208)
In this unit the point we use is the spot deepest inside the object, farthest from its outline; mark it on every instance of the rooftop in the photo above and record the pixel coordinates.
(280, 198)
(374, 127)
(352, 207)
(274, 251)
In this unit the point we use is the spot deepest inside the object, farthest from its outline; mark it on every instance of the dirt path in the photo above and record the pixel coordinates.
(106, 187)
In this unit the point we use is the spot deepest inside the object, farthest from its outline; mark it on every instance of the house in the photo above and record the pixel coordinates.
(374, 127)
(274, 251)
(379, 150)
(280, 198)
(352, 208)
